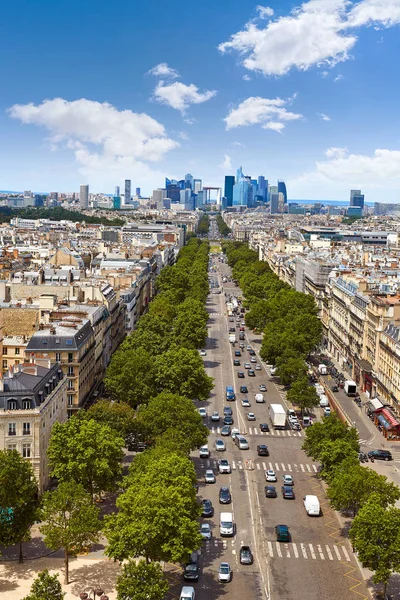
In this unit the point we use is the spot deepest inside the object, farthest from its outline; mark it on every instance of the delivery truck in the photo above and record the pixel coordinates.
(278, 416)
(350, 388)
(232, 338)
(322, 369)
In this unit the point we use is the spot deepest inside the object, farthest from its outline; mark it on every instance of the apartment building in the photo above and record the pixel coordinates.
(33, 396)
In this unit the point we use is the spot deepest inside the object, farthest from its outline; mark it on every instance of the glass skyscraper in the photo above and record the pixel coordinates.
(282, 189)
(228, 190)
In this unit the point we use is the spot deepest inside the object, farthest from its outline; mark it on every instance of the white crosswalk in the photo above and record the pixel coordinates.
(256, 431)
(264, 466)
(308, 551)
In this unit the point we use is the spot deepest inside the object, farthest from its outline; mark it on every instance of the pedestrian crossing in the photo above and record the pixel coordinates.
(264, 466)
(306, 551)
(256, 431)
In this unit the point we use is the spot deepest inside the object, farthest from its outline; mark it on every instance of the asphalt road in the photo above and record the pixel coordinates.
(318, 563)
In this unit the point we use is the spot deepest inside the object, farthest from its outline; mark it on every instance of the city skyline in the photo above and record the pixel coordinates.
(232, 95)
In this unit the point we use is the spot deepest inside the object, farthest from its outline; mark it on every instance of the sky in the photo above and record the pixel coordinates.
(98, 92)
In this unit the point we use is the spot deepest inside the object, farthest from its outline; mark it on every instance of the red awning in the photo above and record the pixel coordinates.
(392, 419)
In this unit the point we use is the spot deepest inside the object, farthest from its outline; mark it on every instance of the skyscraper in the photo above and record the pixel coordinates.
(282, 189)
(189, 181)
(262, 187)
(356, 198)
(274, 203)
(84, 196)
(127, 191)
(138, 192)
(197, 183)
(117, 191)
(228, 189)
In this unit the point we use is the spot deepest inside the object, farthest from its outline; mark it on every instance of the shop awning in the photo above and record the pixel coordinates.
(388, 420)
(376, 403)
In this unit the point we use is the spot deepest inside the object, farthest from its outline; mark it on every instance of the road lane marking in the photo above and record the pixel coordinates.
(283, 467)
(345, 554)
(270, 466)
(308, 468)
(224, 544)
(312, 551)
(328, 551)
(302, 468)
(321, 554)
(289, 467)
(264, 466)
(303, 549)
(258, 466)
(278, 549)
(295, 551)
(336, 549)
(233, 465)
(277, 466)
(286, 546)
(315, 469)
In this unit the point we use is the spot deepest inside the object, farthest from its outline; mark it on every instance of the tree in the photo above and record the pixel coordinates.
(190, 325)
(333, 454)
(45, 587)
(292, 369)
(181, 371)
(174, 468)
(351, 488)
(141, 581)
(302, 394)
(175, 417)
(71, 521)
(118, 415)
(18, 499)
(131, 376)
(330, 428)
(86, 451)
(375, 535)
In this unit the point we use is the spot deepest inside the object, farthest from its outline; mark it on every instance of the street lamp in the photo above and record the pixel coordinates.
(95, 591)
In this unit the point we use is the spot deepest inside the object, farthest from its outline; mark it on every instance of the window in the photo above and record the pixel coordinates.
(70, 357)
(12, 429)
(71, 371)
(26, 429)
(12, 405)
(11, 446)
(17, 362)
(70, 384)
(70, 399)
(26, 450)
(17, 350)
(5, 364)
(4, 350)
(58, 356)
(26, 404)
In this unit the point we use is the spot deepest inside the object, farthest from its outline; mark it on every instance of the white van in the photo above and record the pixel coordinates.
(311, 504)
(259, 398)
(226, 524)
(323, 401)
(242, 443)
(187, 593)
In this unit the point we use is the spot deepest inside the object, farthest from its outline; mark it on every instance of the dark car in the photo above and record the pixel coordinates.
(264, 427)
(262, 450)
(236, 362)
(270, 491)
(380, 455)
(238, 353)
(246, 557)
(282, 533)
(334, 388)
(191, 571)
(225, 495)
(232, 330)
(240, 374)
(228, 420)
(251, 373)
(227, 411)
(252, 352)
(207, 508)
(288, 492)
(243, 389)
(241, 336)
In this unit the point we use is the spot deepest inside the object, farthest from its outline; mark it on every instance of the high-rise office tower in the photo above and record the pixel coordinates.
(356, 198)
(274, 203)
(282, 189)
(199, 203)
(189, 181)
(262, 187)
(243, 192)
(117, 202)
(197, 185)
(138, 192)
(228, 189)
(84, 196)
(127, 191)
(117, 191)
(173, 191)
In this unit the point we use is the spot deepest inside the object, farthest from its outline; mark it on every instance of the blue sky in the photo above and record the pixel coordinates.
(96, 92)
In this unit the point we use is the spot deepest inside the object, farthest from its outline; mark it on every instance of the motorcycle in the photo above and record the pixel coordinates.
(362, 457)
(371, 458)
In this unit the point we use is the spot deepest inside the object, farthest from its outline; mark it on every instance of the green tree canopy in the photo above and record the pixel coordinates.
(292, 369)
(334, 453)
(301, 393)
(118, 415)
(45, 587)
(131, 376)
(329, 429)
(181, 371)
(141, 581)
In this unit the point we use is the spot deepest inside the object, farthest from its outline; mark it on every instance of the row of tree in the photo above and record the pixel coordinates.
(288, 319)
(222, 226)
(375, 530)
(204, 225)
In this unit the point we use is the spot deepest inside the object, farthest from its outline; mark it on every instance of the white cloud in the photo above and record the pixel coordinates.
(226, 165)
(239, 144)
(183, 135)
(264, 11)
(338, 77)
(323, 117)
(269, 113)
(190, 121)
(246, 78)
(324, 74)
(316, 33)
(163, 70)
(105, 141)
(180, 96)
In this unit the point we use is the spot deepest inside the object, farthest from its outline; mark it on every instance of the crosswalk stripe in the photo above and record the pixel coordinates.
(315, 468)
(303, 549)
(321, 554)
(287, 551)
(302, 468)
(214, 463)
(308, 468)
(329, 553)
(255, 431)
(258, 466)
(218, 429)
(283, 467)
(233, 465)
(240, 466)
(312, 551)
(277, 466)
(278, 549)
(295, 551)
(289, 467)
(345, 553)
(264, 466)
(336, 549)
(270, 466)
(270, 549)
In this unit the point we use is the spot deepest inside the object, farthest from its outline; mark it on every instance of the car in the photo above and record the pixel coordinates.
(225, 495)
(228, 411)
(291, 413)
(245, 402)
(270, 475)
(243, 323)
(228, 420)
(380, 455)
(248, 348)
(232, 330)
(240, 374)
(220, 445)
(231, 319)
(224, 466)
(287, 480)
(257, 368)
(241, 345)
(238, 353)
(243, 389)
(203, 353)
(209, 476)
(205, 531)
(207, 508)
(215, 416)
(251, 416)
(264, 427)
(253, 359)
(327, 411)
(236, 363)
(262, 387)
(272, 370)
(187, 593)
(251, 373)
(282, 533)
(246, 557)
(270, 491)
(247, 365)
(226, 430)
(204, 452)
(262, 450)
(252, 352)
(224, 573)
(241, 328)
(203, 412)
(287, 492)
(191, 571)
(234, 432)
(295, 425)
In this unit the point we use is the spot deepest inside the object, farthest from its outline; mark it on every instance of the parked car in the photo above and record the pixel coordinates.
(224, 573)
(203, 353)
(209, 476)
(246, 556)
(270, 491)
(380, 455)
(262, 450)
(202, 412)
(207, 508)
(282, 533)
(215, 416)
(192, 570)
(205, 531)
(251, 416)
(225, 495)
(257, 368)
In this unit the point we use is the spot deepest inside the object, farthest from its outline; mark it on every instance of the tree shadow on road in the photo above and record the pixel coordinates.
(99, 574)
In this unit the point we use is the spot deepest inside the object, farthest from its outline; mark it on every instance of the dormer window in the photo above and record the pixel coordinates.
(12, 405)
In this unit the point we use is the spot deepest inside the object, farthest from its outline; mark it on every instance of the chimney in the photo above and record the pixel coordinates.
(32, 358)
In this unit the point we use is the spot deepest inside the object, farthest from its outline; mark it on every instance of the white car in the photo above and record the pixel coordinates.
(257, 368)
(249, 348)
(287, 480)
(253, 359)
(202, 412)
(204, 452)
(251, 417)
(245, 403)
(203, 353)
(209, 476)
(327, 411)
(263, 387)
(273, 370)
(270, 475)
(205, 531)
(234, 432)
(224, 466)
(247, 365)
(224, 573)
(220, 445)
(215, 416)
